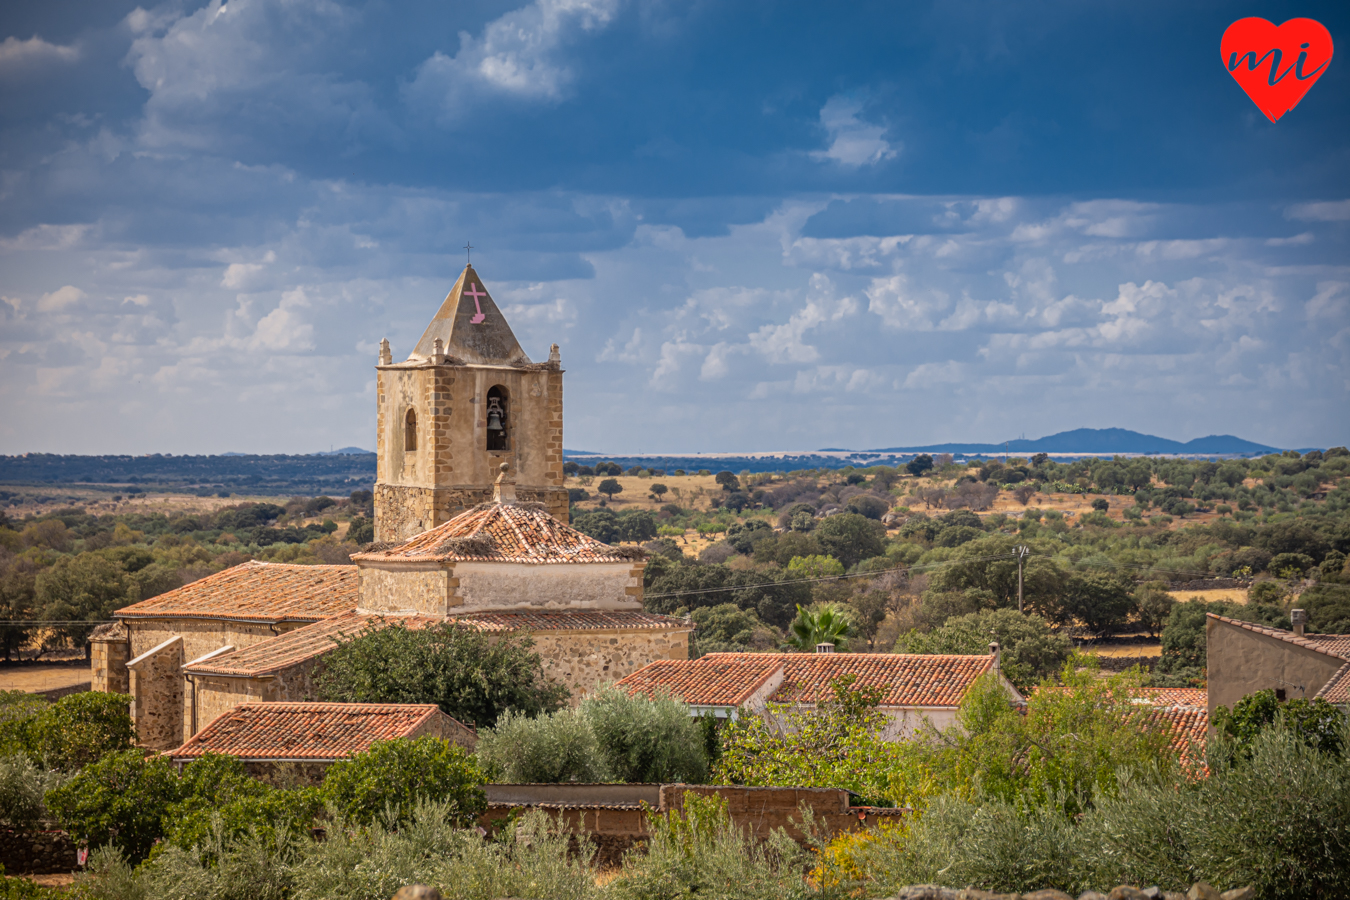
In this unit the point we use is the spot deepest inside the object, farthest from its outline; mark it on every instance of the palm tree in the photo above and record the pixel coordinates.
(826, 623)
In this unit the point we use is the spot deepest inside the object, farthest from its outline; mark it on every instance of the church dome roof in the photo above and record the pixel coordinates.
(502, 532)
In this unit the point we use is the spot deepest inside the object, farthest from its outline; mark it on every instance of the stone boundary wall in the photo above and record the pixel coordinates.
(37, 852)
(1121, 663)
(616, 827)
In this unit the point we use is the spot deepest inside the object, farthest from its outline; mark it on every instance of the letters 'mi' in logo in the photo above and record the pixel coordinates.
(1276, 65)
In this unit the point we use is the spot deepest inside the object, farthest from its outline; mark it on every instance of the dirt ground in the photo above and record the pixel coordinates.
(65, 880)
(42, 676)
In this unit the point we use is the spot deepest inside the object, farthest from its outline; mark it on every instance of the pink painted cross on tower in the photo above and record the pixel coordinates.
(475, 293)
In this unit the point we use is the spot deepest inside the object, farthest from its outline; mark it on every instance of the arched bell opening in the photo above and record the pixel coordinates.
(410, 432)
(498, 418)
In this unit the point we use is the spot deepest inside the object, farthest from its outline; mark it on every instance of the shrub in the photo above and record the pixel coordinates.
(548, 749)
(1315, 721)
(17, 709)
(81, 728)
(393, 776)
(646, 740)
(698, 852)
(22, 788)
(119, 800)
(1030, 650)
(470, 675)
(220, 800)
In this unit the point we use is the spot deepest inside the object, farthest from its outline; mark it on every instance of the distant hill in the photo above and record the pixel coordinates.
(343, 451)
(1101, 440)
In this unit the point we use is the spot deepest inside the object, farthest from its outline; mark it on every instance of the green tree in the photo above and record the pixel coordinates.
(1328, 608)
(823, 624)
(546, 749)
(1101, 601)
(1030, 651)
(83, 588)
(728, 481)
(851, 538)
(18, 600)
(119, 800)
(470, 675)
(397, 775)
(1152, 605)
(721, 628)
(1316, 722)
(990, 564)
(919, 464)
(636, 525)
(609, 487)
(601, 524)
(814, 567)
(646, 739)
(79, 729)
(659, 490)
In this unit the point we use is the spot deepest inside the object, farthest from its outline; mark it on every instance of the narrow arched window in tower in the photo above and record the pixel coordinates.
(497, 421)
(410, 432)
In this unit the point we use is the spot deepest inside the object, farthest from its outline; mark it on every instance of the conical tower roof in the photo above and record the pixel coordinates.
(471, 327)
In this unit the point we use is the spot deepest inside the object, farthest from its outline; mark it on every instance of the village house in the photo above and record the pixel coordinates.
(471, 528)
(915, 689)
(1242, 658)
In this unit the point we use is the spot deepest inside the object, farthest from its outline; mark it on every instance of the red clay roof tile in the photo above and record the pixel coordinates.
(257, 592)
(502, 532)
(305, 731)
(724, 679)
(295, 647)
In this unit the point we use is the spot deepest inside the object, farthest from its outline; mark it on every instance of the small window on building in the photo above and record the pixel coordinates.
(1279, 694)
(410, 432)
(498, 423)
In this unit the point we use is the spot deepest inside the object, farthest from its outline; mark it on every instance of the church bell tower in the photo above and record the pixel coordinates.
(466, 400)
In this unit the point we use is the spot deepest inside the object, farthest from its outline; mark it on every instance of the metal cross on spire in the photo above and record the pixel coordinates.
(467, 248)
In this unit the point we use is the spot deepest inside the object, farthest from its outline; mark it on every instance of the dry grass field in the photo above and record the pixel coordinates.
(42, 676)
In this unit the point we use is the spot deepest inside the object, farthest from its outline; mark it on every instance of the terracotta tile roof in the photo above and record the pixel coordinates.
(257, 592)
(1197, 697)
(571, 620)
(706, 681)
(295, 647)
(503, 532)
(1337, 690)
(907, 680)
(1331, 644)
(1189, 728)
(305, 731)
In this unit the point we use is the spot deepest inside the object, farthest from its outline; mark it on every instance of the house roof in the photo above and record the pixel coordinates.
(1337, 690)
(725, 679)
(295, 647)
(256, 592)
(1337, 645)
(572, 620)
(502, 532)
(1188, 726)
(305, 731)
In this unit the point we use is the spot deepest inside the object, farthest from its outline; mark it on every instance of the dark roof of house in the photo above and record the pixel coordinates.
(256, 592)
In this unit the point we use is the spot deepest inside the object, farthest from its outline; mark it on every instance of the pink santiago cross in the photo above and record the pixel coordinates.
(475, 293)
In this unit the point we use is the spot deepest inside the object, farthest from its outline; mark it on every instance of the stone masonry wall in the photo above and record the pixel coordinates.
(108, 666)
(583, 660)
(428, 588)
(203, 636)
(157, 696)
(37, 852)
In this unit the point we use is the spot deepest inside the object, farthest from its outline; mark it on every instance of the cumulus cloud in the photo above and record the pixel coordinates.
(854, 142)
(521, 55)
(18, 56)
(60, 299)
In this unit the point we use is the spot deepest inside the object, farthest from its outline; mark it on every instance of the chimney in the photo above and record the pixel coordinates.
(385, 356)
(553, 355)
(1300, 619)
(504, 488)
(993, 651)
(825, 647)
(438, 350)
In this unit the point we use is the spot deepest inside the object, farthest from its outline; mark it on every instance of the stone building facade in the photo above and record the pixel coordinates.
(471, 521)
(466, 400)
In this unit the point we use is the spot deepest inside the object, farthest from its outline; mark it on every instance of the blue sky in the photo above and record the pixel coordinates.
(750, 226)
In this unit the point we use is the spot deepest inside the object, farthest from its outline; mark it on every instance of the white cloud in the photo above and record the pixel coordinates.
(17, 55)
(628, 353)
(853, 141)
(1297, 240)
(521, 55)
(60, 299)
(902, 306)
(285, 329)
(1327, 211)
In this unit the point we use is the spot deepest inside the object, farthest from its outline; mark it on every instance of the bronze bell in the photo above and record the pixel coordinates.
(494, 416)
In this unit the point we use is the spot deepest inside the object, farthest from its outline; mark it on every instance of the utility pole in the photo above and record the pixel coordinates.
(1021, 555)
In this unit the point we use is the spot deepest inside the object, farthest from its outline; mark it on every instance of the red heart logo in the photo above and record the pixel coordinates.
(1276, 65)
